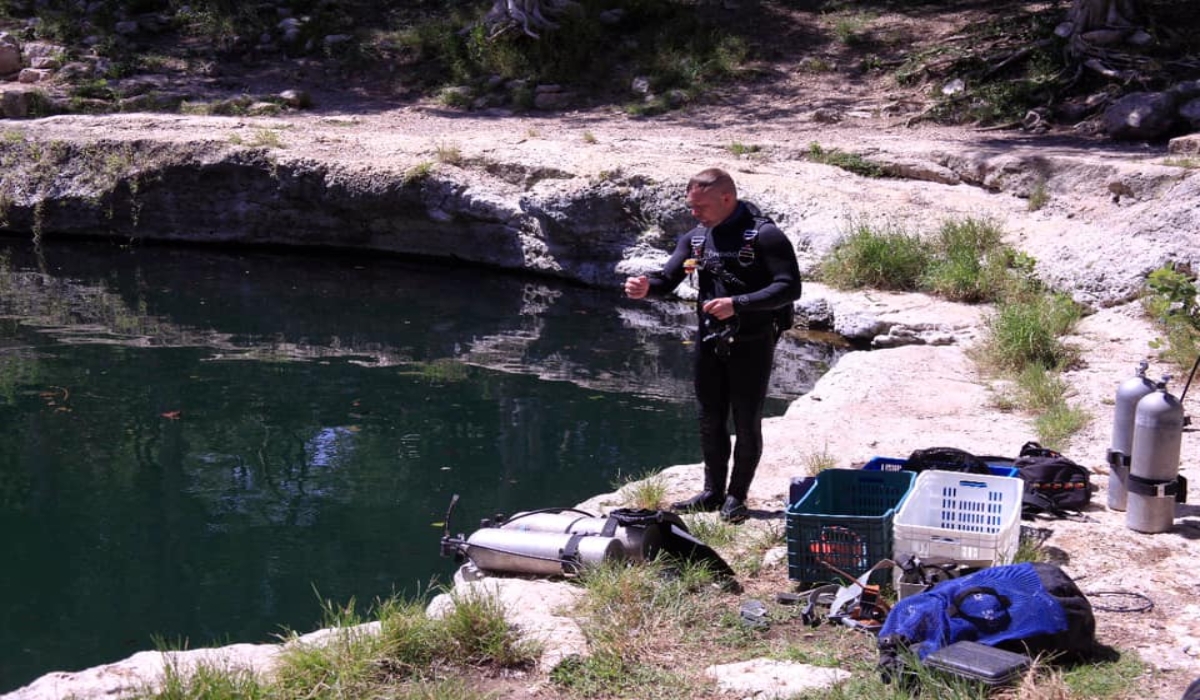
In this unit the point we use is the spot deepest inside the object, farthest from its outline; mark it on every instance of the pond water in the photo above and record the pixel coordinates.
(200, 448)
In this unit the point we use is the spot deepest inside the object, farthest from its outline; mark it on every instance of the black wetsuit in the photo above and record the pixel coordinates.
(733, 358)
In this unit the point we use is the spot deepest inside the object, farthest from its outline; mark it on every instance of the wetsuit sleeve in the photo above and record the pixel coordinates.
(672, 273)
(779, 257)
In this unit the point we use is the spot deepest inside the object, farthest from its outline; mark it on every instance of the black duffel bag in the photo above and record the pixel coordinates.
(1054, 485)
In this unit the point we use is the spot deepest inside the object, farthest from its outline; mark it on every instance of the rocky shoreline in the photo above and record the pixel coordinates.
(538, 196)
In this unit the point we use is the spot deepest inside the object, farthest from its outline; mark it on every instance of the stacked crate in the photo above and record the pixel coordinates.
(844, 521)
(972, 519)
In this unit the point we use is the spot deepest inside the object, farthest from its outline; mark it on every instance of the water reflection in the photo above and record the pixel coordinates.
(199, 445)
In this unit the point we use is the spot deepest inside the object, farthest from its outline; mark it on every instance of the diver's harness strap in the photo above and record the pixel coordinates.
(727, 333)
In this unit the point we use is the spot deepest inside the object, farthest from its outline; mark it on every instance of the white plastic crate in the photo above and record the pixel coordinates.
(971, 518)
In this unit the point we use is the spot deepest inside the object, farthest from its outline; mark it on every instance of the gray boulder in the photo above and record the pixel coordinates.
(1141, 116)
(10, 54)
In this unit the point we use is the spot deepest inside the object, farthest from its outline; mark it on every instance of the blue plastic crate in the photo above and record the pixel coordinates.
(892, 464)
(845, 520)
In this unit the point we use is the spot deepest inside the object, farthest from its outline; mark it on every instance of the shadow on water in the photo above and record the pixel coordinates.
(200, 446)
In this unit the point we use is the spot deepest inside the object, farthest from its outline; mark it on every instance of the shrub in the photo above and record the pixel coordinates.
(880, 259)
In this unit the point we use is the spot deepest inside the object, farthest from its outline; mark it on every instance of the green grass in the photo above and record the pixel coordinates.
(450, 154)
(647, 491)
(852, 162)
(818, 461)
(409, 655)
(1028, 330)
(969, 262)
(880, 259)
(1170, 299)
(966, 261)
(741, 149)
(651, 631)
(850, 28)
(1188, 162)
(1039, 197)
(210, 682)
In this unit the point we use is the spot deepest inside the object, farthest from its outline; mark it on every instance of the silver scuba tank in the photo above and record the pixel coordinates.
(1154, 485)
(1129, 392)
(542, 553)
(639, 543)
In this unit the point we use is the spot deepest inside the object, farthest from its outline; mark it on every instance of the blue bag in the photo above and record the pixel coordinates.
(1027, 608)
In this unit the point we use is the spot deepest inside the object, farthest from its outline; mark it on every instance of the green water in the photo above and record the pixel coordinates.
(199, 448)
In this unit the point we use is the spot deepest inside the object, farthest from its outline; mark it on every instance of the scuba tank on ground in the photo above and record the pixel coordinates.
(1154, 485)
(495, 549)
(1129, 392)
(638, 543)
(543, 553)
(556, 542)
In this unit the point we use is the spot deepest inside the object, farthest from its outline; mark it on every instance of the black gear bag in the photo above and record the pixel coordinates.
(1054, 484)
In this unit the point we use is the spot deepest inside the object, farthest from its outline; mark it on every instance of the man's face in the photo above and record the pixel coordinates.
(710, 206)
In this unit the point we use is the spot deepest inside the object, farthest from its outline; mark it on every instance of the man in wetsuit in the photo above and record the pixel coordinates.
(747, 278)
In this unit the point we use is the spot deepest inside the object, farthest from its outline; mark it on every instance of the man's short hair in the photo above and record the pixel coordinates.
(713, 178)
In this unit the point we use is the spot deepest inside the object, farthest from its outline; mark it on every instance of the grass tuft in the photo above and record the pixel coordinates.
(881, 259)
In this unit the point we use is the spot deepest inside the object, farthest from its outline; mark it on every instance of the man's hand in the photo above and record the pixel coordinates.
(720, 308)
(637, 287)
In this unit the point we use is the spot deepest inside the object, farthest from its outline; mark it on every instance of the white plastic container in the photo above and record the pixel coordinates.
(974, 519)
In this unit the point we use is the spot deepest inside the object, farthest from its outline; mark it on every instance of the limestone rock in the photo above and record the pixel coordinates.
(1184, 145)
(1141, 115)
(10, 54)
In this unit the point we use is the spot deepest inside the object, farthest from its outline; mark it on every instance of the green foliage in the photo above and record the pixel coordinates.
(208, 682)
(969, 262)
(476, 633)
(1171, 300)
(669, 43)
(1007, 67)
(1182, 162)
(1045, 394)
(852, 162)
(1026, 331)
(97, 89)
(1119, 679)
(817, 462)
(740, 149)
(888, 259)
(966, 261)
(1039, 197)
(410, 649)
(627, 613)
(850, 28)
(1173, 296)
(418, 173)
(605, 674)
(646, 491)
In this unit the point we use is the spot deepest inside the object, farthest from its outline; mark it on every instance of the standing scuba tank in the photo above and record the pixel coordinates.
(1129, 393)
(1154, 484)
(640, 543)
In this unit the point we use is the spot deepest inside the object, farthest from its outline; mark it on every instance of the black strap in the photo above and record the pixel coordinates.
(570, 554)
(1034, 449)
(1117, 458)
(1035, 502)
(1177, 487)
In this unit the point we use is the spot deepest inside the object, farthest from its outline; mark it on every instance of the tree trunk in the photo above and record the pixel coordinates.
(528, 15)
(1095, 29)
(1089, 15)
